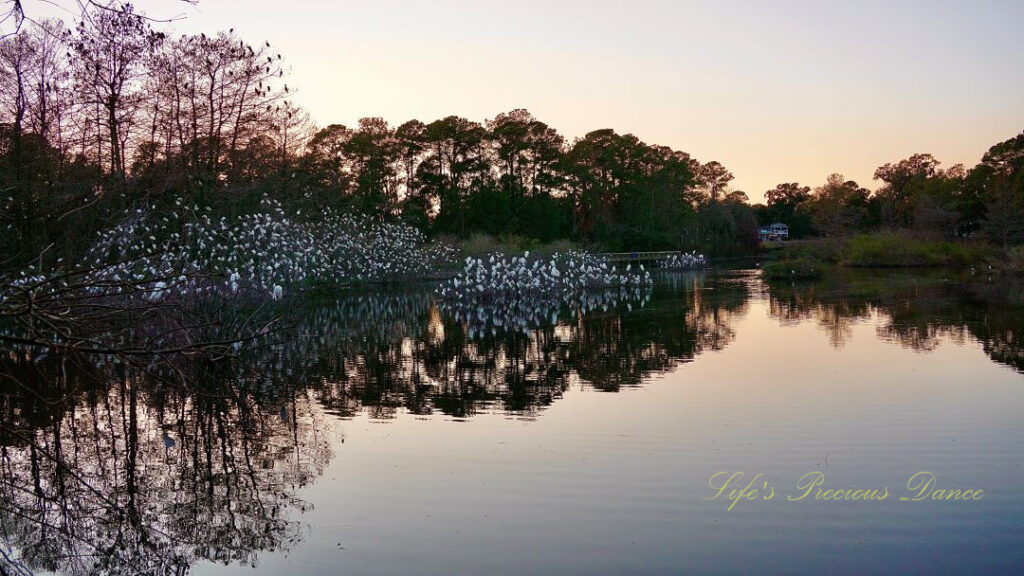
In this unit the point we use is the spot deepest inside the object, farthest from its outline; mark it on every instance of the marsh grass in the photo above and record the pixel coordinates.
(893, 250)
(884, 250)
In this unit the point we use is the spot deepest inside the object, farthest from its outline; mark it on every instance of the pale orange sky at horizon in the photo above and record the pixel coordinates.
(791, 91)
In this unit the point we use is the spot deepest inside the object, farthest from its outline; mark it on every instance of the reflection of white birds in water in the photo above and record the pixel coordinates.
(513, 294)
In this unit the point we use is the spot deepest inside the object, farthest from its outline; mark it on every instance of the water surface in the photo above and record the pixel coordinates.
(386, 440)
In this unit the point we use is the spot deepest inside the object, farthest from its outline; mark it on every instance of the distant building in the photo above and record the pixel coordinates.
(774, 232)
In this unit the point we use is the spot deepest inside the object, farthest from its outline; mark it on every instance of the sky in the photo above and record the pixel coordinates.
(776, 91)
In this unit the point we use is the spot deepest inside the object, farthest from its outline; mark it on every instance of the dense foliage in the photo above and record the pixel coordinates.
(112, 117)
(916, 196)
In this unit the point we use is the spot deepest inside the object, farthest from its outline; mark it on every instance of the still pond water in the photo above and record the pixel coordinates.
(387, 440)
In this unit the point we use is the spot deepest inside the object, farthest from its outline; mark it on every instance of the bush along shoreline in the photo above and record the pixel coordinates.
(815, 258)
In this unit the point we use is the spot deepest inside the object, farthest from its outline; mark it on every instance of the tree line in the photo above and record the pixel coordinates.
(916, 196)
(114, 115)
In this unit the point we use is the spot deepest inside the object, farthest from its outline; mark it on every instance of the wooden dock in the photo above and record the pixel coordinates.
(638, 256)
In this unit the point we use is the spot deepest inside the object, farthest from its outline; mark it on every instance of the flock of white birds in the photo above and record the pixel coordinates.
(269, 252)
(272, 254)
(683, 261)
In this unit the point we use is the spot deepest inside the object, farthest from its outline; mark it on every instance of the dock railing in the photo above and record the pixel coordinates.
(638, 256)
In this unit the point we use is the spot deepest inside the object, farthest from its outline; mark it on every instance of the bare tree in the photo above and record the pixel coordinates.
(17, 54)
(111, 49)
(14, 14)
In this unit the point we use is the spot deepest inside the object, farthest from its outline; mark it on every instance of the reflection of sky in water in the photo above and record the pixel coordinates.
(502, 453)
(614, 484)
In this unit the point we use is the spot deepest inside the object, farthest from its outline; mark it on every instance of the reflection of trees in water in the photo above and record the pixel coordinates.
(508, 313)
(917, 310)
(695, 315)
(119, 468)
(795, 303)
(1001, 324)
(113, 471)
(714, 312)
(1004, 346)
(427, 361)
